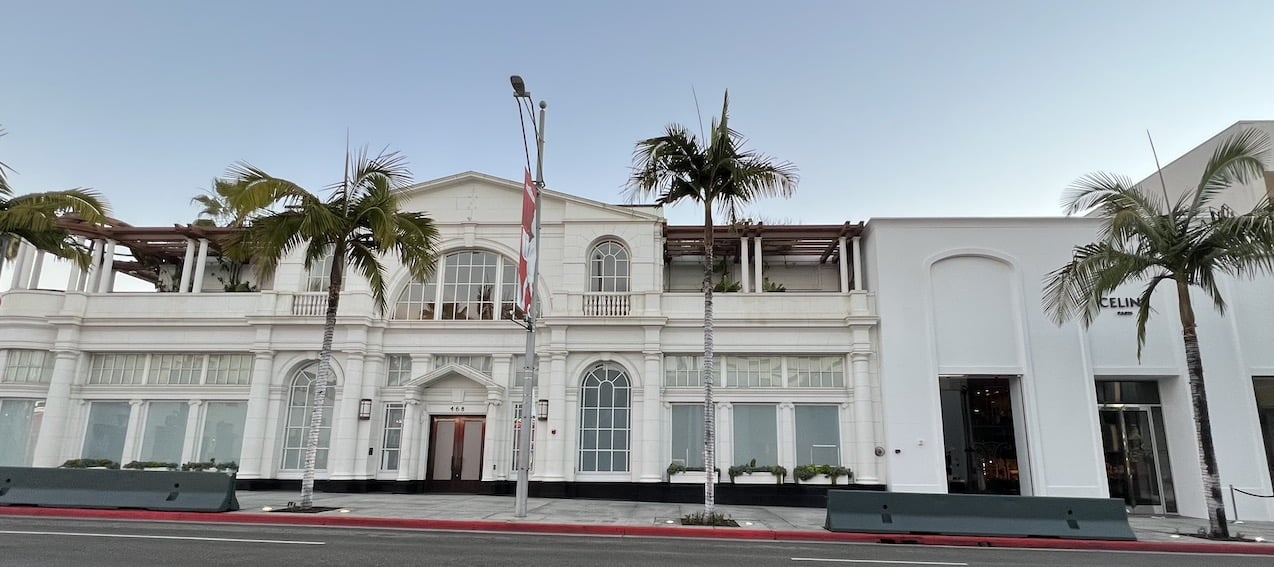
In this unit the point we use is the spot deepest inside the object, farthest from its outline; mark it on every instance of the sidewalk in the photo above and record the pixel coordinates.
(622, 518)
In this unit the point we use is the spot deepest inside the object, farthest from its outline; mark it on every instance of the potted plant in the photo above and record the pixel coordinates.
(151, 466)
(743, 474)
(820, 474)
(681, 474)
(230, 468)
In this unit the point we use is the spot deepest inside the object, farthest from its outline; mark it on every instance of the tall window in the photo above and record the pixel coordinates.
(223, 431)
(165, 432)
(476, 285)
(687, 435)
(397, 369)
(107, 428)
(608, 267)
(19, 428)
(392, 441)
(755, 434)
(817, 435)
(28, 367)
(604, 420)
(319, 275)
(517, 439)
(300, 403)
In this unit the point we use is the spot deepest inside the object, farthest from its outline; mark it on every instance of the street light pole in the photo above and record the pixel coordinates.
(528, 368)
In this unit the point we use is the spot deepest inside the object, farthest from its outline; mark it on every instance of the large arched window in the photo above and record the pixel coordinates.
(476, 285)
(300, 403)
(604, 430)
(318, 277)
(608, 267)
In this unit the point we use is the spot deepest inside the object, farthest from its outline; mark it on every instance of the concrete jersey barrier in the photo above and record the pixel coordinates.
(92, 488)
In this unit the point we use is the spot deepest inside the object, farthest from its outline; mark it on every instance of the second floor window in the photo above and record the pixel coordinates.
(472, 285)
(319, 275)
(608, 268)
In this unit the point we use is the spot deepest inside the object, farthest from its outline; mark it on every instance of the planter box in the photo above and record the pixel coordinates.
(691, 477)
(756, 478)
(819, 479)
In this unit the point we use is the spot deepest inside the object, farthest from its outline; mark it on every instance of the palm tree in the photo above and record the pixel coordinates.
(1187, 243)
(357, 225)
(677, 167)
(33, 217)
(216, 206)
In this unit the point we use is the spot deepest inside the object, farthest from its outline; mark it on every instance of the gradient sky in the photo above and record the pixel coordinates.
(934, 108)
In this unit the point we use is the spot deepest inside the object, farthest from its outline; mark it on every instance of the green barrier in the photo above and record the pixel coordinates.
(93, 488)
(983, 515)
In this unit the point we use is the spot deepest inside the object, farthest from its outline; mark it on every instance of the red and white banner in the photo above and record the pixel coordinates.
(526, 260)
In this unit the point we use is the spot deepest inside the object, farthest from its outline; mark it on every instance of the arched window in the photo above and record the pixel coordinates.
(608, 267)
(319, 275)
(300, 403)
(604, 429)
(476, 285)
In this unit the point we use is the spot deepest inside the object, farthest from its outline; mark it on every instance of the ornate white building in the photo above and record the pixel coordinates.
(915, 352)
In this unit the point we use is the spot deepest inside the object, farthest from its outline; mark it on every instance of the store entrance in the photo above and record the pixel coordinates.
(980, 429)
(1138, 470)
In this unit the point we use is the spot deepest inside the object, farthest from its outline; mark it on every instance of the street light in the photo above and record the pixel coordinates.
(528, 371)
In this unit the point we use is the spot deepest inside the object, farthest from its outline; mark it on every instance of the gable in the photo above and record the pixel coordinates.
(473, 197)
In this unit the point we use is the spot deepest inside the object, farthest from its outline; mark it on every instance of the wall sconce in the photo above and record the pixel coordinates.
(542, 410)
(365, 408)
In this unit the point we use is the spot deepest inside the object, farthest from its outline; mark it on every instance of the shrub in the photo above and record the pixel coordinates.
(89, 463)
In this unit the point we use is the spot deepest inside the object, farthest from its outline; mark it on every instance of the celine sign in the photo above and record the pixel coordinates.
(1125, 305)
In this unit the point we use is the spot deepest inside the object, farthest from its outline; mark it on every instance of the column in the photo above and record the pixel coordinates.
(132, 439)
(787, 437)
(89, 280)
(104, 278)
(188, 452)
(407, 454)
(19, 266)
(254, 424)
(844, 266)
(759, 278)
(725, 447)
(187, 267)
(858, 264)
(200, 266)
(37, 265)
(489, 465)
(57, 410)
(345, 421)
(73, 277)
(746, 277)
(566, 452)
(364, 465)
(557, 457)
(653, 459)
(271, 457)
(864, 424)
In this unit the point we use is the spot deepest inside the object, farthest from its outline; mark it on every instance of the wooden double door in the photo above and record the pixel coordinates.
(455, 454)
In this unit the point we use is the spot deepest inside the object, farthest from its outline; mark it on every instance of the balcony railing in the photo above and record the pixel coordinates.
(607, 304)
(309, 304)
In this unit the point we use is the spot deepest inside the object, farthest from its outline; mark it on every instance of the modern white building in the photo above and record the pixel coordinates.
(916, 352)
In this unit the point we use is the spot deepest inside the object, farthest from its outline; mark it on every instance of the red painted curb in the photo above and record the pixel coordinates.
(648, 531)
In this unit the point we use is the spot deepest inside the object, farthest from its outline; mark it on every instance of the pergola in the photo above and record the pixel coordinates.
(150, 245)
(808, 240)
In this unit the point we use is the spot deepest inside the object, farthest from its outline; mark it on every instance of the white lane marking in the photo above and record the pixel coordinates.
(185, 538)
(880, 561)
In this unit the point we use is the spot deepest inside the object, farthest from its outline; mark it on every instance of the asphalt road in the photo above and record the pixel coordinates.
(56, 542)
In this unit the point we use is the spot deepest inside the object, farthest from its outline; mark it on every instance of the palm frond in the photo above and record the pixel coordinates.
(86, 204)
(1144, 309)
(1239, 158)
(250, 188)
(1095, 269)
(5, 189)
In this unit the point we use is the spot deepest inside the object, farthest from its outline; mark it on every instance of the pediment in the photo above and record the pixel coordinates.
(444, 373)
(482, 198)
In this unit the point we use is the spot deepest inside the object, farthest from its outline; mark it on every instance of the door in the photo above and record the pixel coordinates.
(455, 458)
(980, 433)
(1137, 470)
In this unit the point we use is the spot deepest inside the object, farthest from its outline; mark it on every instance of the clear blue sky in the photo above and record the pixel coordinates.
(888, 109)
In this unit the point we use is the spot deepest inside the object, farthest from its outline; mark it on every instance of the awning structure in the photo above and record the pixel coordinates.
(149, 246)
(821, 241)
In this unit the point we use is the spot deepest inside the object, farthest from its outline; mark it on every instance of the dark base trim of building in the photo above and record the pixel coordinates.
(796, 495)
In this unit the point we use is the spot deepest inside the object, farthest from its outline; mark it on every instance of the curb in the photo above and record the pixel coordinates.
(642, 531)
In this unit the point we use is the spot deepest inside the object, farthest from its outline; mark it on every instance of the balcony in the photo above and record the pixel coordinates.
(802, 306)
(607, 304)
(309, 304)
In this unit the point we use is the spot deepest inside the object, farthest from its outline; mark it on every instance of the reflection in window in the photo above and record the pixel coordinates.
(687, 435)
(755, 434)
(300, 404)
(223, 431)
(107, 428)
(476, 286)
(165, 432)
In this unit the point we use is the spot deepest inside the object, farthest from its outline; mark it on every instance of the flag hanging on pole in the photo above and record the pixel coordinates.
(526, 260)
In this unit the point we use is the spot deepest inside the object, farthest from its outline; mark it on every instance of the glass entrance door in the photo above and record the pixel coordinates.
(980, 435)
(1137, 467)
(455, 456)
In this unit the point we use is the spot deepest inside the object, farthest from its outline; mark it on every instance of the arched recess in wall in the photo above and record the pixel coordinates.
(974, 305)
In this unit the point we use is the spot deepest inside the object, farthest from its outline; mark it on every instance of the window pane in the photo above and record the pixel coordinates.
(165, 432)
(28, 367)
(19, 429)
(755, 434)
(687, 434)
(817, 435)
(397, 369)
(107, 427)
(300, 405)
(391, 443)
(604, 420)
(223, 431)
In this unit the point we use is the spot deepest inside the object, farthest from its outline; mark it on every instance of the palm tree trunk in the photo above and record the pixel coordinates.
(324, 372)
(709, 408)
(1202, 422)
